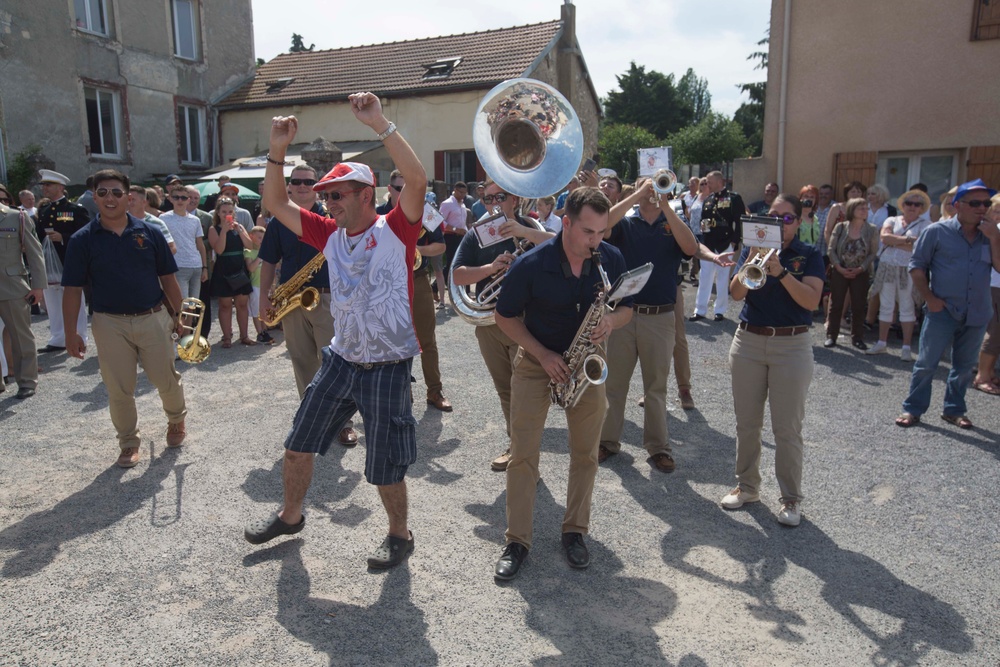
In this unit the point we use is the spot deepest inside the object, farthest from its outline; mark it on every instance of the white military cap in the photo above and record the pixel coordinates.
(49, 176)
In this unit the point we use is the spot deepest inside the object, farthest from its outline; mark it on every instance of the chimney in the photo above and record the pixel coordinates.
(566, 52)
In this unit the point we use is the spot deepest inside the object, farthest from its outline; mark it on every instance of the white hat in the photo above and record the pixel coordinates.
(347, 171)
(607, 173)
(49, 176)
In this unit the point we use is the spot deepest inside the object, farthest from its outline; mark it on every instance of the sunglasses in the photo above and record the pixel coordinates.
(337, 196)
(977, 203)
(913, 203)
(302, 181)
(787, 219)
(179, 197)
(5, 200)
(397, 188)
(104, 192)
(499, 197)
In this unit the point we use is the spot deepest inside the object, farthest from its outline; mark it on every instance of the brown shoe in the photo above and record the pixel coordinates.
(499, 464)
(348, 437)
(603, 454)
(438, 400)
(662, 462)
(175, 434)
(129, 457)
(687, 401)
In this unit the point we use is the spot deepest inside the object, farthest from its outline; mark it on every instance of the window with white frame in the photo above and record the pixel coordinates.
(935, 169)
(187, 29)
(459, 166)
(104, 121)
(191, 130)
(91, 16)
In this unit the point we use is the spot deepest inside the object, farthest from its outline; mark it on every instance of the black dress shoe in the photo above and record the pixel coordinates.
(576, 551)
(696, 317)
(510, 561)
(50, 348)
(25, 392)
(719, 317)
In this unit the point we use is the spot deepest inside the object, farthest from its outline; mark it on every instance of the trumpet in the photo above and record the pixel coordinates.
(192, 348)
(663, 184)
(753, 273)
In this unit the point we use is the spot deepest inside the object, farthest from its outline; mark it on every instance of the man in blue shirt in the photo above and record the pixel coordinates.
(136, 297)
(950, 268)
(554, 287)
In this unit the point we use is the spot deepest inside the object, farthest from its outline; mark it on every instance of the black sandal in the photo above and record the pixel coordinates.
(392, 551)
(265, 530)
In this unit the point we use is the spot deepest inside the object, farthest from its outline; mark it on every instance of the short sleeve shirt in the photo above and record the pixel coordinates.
(641, 242)
(282, 245)
(470, 253)
(772, 305)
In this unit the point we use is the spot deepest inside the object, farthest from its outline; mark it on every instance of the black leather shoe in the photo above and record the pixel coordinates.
(576, 551)
(510, 561)
(50, 348)
(696, 317)
(25, 392)
(719, 317)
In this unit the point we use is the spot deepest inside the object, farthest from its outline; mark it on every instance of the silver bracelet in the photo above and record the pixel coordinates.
(389, 130)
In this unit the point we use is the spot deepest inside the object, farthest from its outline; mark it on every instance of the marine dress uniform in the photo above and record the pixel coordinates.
(16, 242)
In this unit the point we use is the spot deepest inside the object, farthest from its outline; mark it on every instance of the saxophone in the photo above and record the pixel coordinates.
(586, 366)
(287, 296)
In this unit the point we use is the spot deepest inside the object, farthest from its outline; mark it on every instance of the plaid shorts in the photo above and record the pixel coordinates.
(381, 394)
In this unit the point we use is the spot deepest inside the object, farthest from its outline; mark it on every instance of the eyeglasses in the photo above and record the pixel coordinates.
(397, 188)
(913, 203)
(807, 203)
(179, 197)
(977, 203)
(499, 197)
(787, 219)
(337, 196)
(302, 181)
(5, 200)
(104, 192)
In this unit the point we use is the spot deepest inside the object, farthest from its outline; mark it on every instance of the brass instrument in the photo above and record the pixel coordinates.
(663, 184)
(289, 295)
(417, 257)
(530, 142)
(586, 366)
(192, 348)
(752, 274)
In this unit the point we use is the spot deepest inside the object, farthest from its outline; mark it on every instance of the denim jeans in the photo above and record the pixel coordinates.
(938, 331)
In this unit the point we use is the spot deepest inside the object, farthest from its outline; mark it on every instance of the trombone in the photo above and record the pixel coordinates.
(192, 348)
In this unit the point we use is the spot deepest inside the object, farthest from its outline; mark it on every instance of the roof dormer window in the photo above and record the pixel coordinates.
(280, 84)
(441, 68)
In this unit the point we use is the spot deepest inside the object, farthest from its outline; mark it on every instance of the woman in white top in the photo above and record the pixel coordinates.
(892, 279)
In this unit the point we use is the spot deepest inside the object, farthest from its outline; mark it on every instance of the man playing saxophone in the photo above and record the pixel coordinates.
(553, 287)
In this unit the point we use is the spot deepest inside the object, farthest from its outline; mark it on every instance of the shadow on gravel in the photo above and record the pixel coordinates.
(104, 502)
(858, 367)
(431, 447)
(391, 631)
(986, 440)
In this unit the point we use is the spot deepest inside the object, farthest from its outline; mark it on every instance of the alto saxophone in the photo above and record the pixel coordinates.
(586, 366)
(289, 295)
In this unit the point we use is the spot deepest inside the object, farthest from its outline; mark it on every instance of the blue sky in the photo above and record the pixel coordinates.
(663, 35)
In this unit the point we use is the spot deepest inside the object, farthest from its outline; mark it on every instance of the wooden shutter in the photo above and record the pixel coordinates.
(984, 163)
(438, 165)
(849, 167)
(986, 20)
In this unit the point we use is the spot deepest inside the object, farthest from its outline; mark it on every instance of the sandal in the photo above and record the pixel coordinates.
(247, 340)
(266, 530)
(960, 421)
(906, 420)
(392, 551)
(990, 388)
(227, 341)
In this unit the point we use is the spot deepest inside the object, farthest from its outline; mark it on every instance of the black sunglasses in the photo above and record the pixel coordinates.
(337, 196)
(179, 197)
(397, 188)
(5, 200)
(913, 203)
(500, 197)
(103, 192)
(977, 203)
(302, 181)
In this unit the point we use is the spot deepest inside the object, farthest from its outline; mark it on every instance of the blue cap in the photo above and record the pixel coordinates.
(430, 198)
(966, 188)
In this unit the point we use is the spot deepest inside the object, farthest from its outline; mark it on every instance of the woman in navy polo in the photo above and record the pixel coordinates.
(771, 360)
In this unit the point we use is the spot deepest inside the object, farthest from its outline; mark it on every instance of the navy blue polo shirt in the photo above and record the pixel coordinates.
(123, 271)
(641, 242)
(554, 302)
(772, 305)
(280, 244)
(470, 253)
(437, 236)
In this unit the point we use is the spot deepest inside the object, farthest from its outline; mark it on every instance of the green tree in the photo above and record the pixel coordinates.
(298, 46)
(618, 144)
(20, 169)
(715, 139)
(648, 100)
(693, 91)
(750, 115)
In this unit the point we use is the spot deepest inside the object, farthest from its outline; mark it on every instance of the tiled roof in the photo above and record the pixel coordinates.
(396, 68)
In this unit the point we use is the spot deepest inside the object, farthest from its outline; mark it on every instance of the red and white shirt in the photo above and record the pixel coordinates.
(371, 285)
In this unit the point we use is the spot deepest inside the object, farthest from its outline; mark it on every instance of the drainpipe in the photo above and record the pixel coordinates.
(783, 103)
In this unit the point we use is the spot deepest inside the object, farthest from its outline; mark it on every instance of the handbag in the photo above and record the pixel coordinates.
(237, 281)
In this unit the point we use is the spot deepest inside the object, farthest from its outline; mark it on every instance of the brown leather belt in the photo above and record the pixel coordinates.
(774, 331)
(653, 310)
(154, 309)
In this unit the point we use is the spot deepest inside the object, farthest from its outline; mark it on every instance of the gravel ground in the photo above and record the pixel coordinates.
(892, 565)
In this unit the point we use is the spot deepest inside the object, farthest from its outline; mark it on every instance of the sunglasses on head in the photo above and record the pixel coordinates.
(337, 196)
(787, 219)
(499, 197)
(103, 192)
(977, 203)
(302, 181)
(179, 197)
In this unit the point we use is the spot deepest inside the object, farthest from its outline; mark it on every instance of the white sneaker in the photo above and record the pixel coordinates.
(878, 348)
(789, 514)
(905, 354)
(738, 498)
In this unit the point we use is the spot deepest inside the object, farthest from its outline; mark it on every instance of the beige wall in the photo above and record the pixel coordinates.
(893, 75)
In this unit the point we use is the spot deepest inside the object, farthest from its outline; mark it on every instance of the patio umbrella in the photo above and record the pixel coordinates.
(211, 187)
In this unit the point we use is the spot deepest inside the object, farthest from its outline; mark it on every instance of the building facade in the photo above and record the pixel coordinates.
(128, 84)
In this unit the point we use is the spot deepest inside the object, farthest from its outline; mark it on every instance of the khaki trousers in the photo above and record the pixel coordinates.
(778, 370)
(682, 357)
(16, 316)
(498, 353)
(424, 322)
(648, 339)
(529, 407)
(122, 343)
(307, 332)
